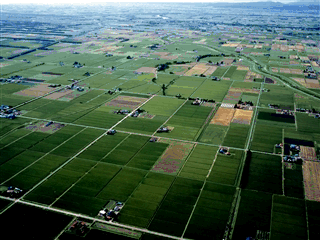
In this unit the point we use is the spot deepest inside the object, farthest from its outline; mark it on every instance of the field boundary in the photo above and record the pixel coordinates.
(69, 213)
(196, 203)
(74, 156)
(43, 156)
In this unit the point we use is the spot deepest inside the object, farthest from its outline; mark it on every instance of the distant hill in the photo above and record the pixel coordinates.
(294, 6)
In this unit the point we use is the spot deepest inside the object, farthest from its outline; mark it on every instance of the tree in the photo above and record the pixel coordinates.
(164, 89)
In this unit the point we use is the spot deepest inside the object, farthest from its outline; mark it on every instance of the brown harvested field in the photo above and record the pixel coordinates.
(251, 76)
(301, 81)
(210, 70)
(256, 53)
(243, 68)
(202, 41)
(311, 179)
(147, 70)
(296, 71)
(294, 63)
(233, 95)
(308, 153)
(294, 57)
(126, 102)
(171, 57)
(242, 116)
(284, 48)
(228, 61)
(208, 104)
(200, 68)
(312, 83)
(59, 94)
(173, 158)
(284, 70)
(36, 91)
(315, 64)
(291, 70)
(274, 70)
(166, 55)
(304, 58)
(299, 47)
(230, 45)
(275, 46)
(259, 46)
(71, 96)
(223, 116)
(162, 54)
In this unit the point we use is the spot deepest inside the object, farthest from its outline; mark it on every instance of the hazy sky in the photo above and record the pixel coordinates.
(104, 1)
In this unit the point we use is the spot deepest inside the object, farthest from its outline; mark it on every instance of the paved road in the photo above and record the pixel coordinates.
(69, 213)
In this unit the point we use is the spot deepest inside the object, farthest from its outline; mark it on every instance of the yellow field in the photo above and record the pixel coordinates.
(200, 68)
(223, 116)
(230, 45)
(245, 90)
(243, 68)
(210, 70)
(242, 116)
(202, 41)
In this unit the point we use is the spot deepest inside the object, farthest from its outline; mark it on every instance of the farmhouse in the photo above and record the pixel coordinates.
(111, 210)
(239, 49)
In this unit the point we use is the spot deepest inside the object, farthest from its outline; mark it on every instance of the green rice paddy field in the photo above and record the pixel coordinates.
(180, 184)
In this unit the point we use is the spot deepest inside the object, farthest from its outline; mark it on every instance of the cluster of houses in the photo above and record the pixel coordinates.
(163, 129)
(111, 210)
(8, 112)
(285, 112)
(312, 74)
(244, 105)
(74, 85)
(14, 79)
(281, 111)
(79, 228)
(197, 101)
(291, 154)
(312, 112)
(12, 192)
(111, 132)
(55, 85)
(294, 154)
(263, 90)
(122, 111)
(77, 65)
(215, 78)
(224, 151)
(114, 91)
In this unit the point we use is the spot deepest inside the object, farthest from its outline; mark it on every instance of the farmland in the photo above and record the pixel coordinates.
(175, 131)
